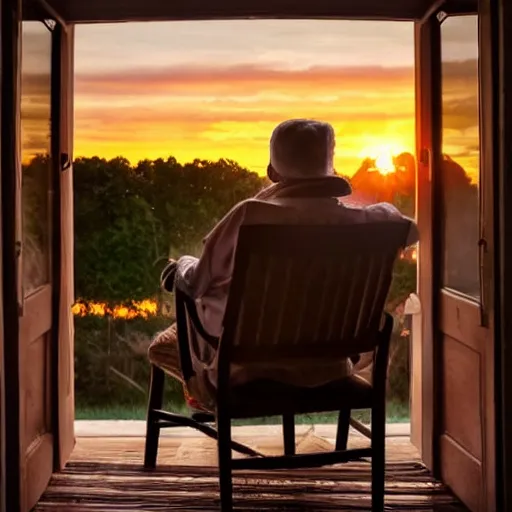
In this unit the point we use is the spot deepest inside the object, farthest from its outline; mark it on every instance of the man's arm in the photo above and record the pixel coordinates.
(215, 266)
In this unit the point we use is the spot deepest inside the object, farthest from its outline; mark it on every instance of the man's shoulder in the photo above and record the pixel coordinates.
(377, 212)
(374, 209)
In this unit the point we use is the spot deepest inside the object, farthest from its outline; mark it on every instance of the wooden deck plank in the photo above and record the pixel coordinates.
(106, 474)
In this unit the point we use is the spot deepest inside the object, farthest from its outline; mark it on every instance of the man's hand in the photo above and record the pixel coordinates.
(167, 276)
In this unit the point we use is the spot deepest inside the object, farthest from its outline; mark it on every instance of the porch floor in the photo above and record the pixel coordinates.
(106, 474)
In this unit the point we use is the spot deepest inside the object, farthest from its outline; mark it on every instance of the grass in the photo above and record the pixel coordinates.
(396, 413)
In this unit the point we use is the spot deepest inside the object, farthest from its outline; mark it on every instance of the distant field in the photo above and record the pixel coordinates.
(396, 413)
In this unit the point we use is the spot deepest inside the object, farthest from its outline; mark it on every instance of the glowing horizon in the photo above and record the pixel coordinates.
(184, 89)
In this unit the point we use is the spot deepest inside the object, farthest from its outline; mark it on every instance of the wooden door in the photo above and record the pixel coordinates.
(455, 215)
(40, 383)
(36, 239)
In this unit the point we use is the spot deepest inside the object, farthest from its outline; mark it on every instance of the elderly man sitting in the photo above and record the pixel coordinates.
(306, 190)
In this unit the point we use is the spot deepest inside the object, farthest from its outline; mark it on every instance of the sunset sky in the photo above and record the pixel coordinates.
(213, 89)
(216, 89)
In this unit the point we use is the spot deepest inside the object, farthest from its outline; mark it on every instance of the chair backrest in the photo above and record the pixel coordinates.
(309, 291)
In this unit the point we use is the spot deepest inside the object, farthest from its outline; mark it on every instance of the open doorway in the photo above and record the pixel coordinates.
(139, 308)
(172, 123)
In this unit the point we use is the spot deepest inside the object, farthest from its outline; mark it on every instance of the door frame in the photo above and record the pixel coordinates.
(490, 223)
(424, 389)
(2, 374)
(500, 23)
(10, 31)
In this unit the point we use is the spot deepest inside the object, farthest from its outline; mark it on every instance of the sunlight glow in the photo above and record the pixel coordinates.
(383, 157)
(384, 163)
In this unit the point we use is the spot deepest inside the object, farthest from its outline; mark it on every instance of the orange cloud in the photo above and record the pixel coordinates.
(253, 79)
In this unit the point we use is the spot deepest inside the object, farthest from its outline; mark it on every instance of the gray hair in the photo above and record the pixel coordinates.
(302, 148)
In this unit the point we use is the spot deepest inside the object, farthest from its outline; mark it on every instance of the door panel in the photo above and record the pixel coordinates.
(458, 466)
(460, 318)
(461, 391)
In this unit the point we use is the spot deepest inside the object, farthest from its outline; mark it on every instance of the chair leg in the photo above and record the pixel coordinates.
(289, 434)
(156, 398)
(378, 459)
(225, 469)
(343, 428)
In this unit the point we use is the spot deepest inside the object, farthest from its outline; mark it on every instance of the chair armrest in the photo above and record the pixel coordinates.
(187, 317)
(196, 322)
(168, 275)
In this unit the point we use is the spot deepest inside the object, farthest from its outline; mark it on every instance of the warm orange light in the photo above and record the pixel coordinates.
(144, 309)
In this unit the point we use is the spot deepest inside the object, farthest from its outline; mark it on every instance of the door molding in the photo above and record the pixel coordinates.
(65, 343)
(423, 419)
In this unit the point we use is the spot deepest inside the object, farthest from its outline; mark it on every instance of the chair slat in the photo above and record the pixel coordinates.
(309, 291)
(249, 316)
(274, 294)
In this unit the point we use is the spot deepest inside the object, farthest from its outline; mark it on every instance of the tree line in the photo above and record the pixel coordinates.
(130, 219)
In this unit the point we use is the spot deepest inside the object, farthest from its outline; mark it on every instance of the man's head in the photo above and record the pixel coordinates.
(301, 149)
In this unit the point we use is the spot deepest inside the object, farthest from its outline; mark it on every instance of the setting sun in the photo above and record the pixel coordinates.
(383, 157)
(384, 163)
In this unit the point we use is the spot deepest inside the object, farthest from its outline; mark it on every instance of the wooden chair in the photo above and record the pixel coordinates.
(300, 293)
